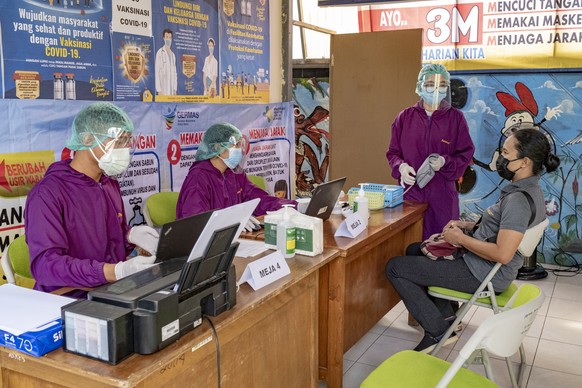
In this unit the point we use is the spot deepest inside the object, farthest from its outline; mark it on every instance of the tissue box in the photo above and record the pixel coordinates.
(35, 342)
(308, 232)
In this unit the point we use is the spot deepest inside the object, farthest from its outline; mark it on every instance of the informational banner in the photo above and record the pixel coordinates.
(55, 49)
(488, 35)
(135, 50)
(245, 54)
(187, 45)
(165, 141)
(131, 46)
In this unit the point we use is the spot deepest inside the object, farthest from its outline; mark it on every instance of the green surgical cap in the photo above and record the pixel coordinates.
(431, 69)
(216, 139)
(97, 122)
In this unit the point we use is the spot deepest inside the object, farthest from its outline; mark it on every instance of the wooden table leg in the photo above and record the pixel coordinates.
(335, 340)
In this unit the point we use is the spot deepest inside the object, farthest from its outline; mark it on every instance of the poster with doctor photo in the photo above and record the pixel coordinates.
(186, 40)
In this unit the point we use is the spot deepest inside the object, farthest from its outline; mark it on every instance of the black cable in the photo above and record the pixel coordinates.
(217, 348)
(573, 268)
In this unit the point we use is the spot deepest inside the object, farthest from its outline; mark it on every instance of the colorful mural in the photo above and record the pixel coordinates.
(496, 104)
(311, 98)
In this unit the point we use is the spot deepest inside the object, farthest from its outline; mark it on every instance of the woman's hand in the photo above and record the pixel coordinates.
(463, 225)
(453, 234)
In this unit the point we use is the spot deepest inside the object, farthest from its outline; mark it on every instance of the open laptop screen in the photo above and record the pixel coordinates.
(324, 198)
(177, 238)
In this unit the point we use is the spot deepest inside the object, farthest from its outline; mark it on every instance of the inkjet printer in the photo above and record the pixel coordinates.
(149, 310)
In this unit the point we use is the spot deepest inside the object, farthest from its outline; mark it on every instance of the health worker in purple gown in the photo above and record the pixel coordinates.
(216, 180)
(75, 222)
(431, 127)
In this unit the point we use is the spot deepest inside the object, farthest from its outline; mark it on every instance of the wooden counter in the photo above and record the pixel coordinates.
(354, 293)
(267, 340)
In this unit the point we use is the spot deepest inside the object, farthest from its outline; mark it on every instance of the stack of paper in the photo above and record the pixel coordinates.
(30, 319)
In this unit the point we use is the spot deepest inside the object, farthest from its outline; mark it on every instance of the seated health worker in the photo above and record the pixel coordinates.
(524, 157)
(75, 223)
(216, 180)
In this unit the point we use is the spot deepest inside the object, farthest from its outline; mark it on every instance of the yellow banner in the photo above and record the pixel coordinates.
(20, 171)
(488, 35)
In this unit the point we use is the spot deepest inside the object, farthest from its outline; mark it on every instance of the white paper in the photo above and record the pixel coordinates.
(250, 248)
(24, 309)
(221, 219)
(351, 227)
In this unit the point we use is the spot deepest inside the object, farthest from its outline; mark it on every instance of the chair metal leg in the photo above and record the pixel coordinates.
(511, 373)
(522, 364)
(487, 365)
(460, 315)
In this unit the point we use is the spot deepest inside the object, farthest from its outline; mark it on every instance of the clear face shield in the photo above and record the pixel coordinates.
(433, 89)
(237, 153)
(117, 151)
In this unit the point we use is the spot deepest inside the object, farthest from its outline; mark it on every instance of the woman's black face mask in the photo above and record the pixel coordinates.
(503, 170)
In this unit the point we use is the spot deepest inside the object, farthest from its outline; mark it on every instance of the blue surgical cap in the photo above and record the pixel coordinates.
(217, 138)
(428, 70)
(97, 122)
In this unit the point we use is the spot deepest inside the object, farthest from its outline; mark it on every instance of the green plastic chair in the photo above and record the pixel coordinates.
(160, 208)
(16, 263)
(500, 334)
(258, 181)
(485, 296)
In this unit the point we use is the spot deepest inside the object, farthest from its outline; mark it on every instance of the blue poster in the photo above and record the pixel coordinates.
(55, 49)
(245, 54)
(133, 67)
(186, 42)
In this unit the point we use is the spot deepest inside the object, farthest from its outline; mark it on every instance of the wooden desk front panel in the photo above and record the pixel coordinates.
(265, 341)
(369, 295)
(354, 291)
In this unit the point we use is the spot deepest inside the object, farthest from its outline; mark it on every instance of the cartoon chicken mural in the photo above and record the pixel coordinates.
(520, 111)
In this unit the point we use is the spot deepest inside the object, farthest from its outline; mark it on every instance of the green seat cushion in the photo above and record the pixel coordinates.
(408, 369)
(502, 298)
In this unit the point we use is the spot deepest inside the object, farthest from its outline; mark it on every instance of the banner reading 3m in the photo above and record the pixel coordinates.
(488, 35)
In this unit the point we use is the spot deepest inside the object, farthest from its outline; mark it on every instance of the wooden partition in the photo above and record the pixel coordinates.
(372, 78)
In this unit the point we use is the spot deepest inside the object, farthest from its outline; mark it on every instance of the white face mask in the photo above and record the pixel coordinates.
(115, 161)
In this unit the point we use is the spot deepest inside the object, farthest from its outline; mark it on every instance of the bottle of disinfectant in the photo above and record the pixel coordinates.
(361, 205)
(286, 235)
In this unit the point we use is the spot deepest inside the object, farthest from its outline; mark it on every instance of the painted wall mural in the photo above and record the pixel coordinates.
(311, 98)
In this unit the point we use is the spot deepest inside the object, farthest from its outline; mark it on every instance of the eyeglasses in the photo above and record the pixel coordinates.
(432, 88)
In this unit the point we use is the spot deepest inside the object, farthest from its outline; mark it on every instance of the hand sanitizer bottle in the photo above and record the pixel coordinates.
(286, 235)
(361, 205)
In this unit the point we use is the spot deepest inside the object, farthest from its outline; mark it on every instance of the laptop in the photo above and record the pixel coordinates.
(324, 198)
(177, 238)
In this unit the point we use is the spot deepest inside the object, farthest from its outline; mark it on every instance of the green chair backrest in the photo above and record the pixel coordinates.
(20, 257)
(258, 181)
(161, 207)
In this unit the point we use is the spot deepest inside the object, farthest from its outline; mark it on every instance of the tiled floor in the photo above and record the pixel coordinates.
(553, 345)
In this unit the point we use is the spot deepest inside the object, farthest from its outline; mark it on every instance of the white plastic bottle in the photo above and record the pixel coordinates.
(286, 235)
(361, 205)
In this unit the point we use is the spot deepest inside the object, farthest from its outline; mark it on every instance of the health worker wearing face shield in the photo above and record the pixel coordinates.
(75, 223)
(431, 127)
(216, 180)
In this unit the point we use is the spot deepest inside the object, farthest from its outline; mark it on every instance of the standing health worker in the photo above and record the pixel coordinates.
(431, 126)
